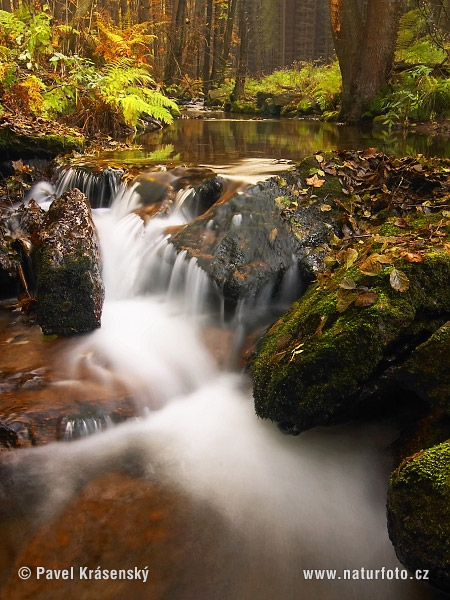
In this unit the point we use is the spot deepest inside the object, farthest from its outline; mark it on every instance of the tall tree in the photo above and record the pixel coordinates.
(227, 40)
(207, 53)
(365, 45)
(242, 59)
(177, 40)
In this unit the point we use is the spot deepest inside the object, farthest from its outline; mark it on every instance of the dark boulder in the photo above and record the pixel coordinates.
(419, 513)
(241, 242)
(69, 287)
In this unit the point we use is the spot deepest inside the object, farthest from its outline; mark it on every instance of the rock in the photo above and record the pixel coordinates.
(69, 287)
(37, 400)
(248, 239)
(16, 142)
(419, 513)
(242, 243)
(427, 371)
(315, 363)
(8, 437)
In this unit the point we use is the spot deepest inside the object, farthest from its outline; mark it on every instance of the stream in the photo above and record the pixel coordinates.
(218, 504)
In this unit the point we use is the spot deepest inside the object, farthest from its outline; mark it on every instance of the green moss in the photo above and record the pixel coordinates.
(419, 512)
(47, 145)
(332, 188)
(311, 375)
(414, 223)
(245, 107)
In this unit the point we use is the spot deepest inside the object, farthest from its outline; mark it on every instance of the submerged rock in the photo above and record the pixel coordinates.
(419, 513)
(69, 286)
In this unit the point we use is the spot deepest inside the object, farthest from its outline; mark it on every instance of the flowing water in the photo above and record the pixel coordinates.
(264, 507)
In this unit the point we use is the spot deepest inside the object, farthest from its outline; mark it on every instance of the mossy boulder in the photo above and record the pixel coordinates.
(314, 364)
(14, 145)
(427, 370)
(70, 290)
(418, 511)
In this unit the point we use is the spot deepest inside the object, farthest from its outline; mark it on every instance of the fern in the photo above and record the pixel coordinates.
(124, 87)
(114, 43)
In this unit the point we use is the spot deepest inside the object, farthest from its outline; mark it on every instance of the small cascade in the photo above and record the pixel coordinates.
(285, 504)
(100, 187)
(78, 427)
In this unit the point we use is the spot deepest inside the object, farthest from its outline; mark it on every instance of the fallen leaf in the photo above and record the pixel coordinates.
(371, 266)
(325, 207)
(17, 164)
(347, 284)
(369, 152)
(401, 223)
(319, 158)
(345, 298)
(398, 280)
(411, 257)
(273, 234)
(321, 325)
(347, 257)
(315, 181)
(366, 299)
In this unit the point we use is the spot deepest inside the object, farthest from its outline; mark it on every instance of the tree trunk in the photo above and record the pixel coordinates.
(6, 5)
(365, 48)
(227, 41)
(219, 34)
(207, 53)
(177, 39)
(144, 11)
(241, 71)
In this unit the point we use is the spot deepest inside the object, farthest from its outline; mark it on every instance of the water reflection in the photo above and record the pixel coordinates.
(215, 141)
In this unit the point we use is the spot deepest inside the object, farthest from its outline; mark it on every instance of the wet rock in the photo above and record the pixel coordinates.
(427, 370)
(315, 364)
(69, 287)
(419, 513)
(248, 239)
(8, 437)
(241, 242)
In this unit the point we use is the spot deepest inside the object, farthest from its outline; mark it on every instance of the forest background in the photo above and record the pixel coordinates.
(116, 65)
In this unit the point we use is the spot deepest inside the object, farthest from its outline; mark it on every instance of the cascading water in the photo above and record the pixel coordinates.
(287, 504)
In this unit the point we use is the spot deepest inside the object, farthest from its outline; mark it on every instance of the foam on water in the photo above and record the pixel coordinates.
(317, 501)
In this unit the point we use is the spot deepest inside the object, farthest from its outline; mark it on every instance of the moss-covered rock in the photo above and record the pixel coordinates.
(313, 363)
(427, 370)
(14, 145)
(419, 513)
(69, 287)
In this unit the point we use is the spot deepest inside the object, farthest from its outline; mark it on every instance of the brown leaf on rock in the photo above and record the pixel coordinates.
(347, 257)
(366, 299)
(315, 181)
(347, 284)
(411, 257)
(371, 266)
(345, 298)
(398, 280)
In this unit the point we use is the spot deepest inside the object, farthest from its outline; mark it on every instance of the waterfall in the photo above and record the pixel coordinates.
(287, 504)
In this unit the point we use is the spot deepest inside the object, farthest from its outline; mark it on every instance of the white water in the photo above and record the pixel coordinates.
(317, 501)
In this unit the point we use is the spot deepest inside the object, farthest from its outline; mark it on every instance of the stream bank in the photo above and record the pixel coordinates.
(345, 221)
